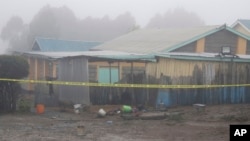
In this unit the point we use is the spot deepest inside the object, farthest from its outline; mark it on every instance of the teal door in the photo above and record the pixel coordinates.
(104, 75)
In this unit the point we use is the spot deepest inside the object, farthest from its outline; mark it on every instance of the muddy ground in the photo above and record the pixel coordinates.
(181, 124)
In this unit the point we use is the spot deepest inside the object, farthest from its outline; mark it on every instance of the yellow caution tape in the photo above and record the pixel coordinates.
(158, 86)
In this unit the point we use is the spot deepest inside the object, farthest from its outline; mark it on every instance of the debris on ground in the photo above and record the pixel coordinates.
(101, 113)
(177, 123)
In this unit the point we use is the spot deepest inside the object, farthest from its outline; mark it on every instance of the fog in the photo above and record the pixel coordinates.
(210, 12)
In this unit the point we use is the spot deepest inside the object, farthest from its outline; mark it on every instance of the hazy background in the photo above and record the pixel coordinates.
(88, 14)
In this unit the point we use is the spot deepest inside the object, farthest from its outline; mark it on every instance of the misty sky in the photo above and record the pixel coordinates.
(213, 12)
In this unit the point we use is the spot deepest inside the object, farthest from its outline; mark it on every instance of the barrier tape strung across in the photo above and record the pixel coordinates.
(159, 86)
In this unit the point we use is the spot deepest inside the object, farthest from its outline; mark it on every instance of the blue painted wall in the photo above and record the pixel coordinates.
(226, 95)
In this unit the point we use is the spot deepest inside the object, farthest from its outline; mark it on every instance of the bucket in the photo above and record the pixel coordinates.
(40, 108)
(126, 109)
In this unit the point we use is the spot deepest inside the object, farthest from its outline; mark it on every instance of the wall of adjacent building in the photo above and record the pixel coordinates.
(197, 72)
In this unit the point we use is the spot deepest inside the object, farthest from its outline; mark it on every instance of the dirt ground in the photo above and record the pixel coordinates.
(181, 124)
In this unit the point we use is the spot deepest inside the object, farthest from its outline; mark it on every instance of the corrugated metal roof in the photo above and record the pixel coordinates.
(244, 23)
(149, 41)
(101, 55)
(56, 45)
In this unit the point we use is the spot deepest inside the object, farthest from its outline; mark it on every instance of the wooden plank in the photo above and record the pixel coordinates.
(241, 46)
(200, 45)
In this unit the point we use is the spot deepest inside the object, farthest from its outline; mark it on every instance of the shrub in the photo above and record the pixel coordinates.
(13, 67)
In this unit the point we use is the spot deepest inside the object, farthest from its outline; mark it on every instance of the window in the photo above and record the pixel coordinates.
(104, 75)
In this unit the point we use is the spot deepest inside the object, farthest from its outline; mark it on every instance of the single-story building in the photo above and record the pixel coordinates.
(191, 56)
(74, 67)
(218, 57)
(43, 68)
(199, 55)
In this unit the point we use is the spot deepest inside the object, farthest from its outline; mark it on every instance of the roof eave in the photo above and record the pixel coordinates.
(203, 58)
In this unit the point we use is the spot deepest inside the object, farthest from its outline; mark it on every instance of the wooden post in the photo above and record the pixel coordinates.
(119, 72)
(132, 72)
(132, 81)
(241, 46)
(110, 77)
(200, 45)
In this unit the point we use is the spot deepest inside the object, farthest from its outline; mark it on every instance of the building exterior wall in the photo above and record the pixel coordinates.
(233, 72)
(187, 48)
(172, 68)
(241, 46)
(75, 70)
(248, 48)
(40, 69)
(195, 72)
(215, 41)
(130, 72)
(200, 45)
(124, 69)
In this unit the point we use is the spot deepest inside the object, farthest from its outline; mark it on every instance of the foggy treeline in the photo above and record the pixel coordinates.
(61, 23)
(179, 17)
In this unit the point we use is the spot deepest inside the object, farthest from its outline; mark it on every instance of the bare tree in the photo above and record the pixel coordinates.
(14, 32)
(61, 23)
